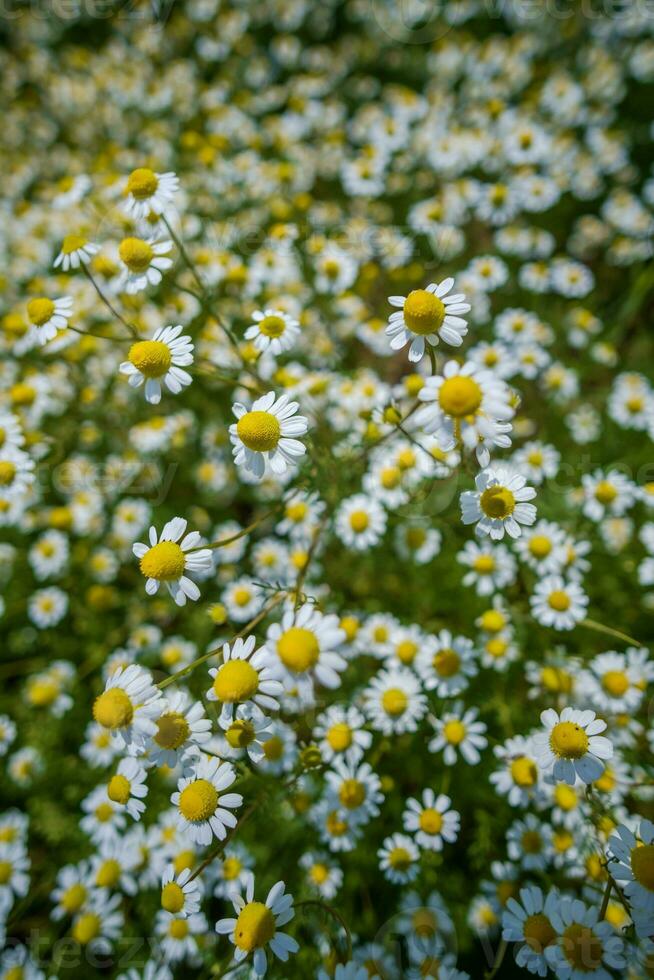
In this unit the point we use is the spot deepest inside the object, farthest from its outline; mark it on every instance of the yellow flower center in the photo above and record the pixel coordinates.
(103, 813)
(164, 561)
(493, 621)
(142, 183)
(431, 821)
(390, 477)
(352, 793)
(497, 502)
(254, 927)
(119, 789)
(22, 394)
(236, 680)
(406, 651)
(423, 312)
(135, 254)
(446, 663)
(231, 868)
(454, 731)
(40, 310)
(582, 948)
(416, 537)
(259, 431)
(151, 357)
(296, 512)
(605, 492)
(566, 797)
(72, 243)
(172, 898)
(568, 741)
(113, 709)
(615, 683)
(183, 861)
(460, 396)
(559, 600)
(240, 734)
(524, 772)
(319, 874)
(394, 701)
(539, 932)
(339, 736)
(178, 929)
(6, 869)
(73, 898)
(540, 546)
(359, 521)
(484, 564)
(399, 859)
(172, 731)
(86, 928)
(298, 649)
(273, 748)
(43, 692)
(642, 865)
(532, 842)
(242, 596)
(272, 326)
(7, 472)
(108, 874)
(198, 801)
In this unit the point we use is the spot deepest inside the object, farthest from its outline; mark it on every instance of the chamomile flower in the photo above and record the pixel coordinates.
(273, 330)
(431, 820)
(492, 566)
(632, 862)
(76, 250)
(129, 706)
(529, 922)
(169, 557)
(160, 361)
(181, 728)
(322, 875)
(258, 925)
(143, 263)
(459, 731)
(426, 315)
(360, 522)
(265, 435)
(127, 787)
(498, 504)
(394, 702)
(340, 733)
(445, 664)
(49, 316)
(571, 746)
(584, 946)
(204, 809)
(355, 790)
(147, 192)
(245, 676)
(304, 647)
(518, 777)
(558, 603)
(399, 859)
(16, 472)
(180, 895)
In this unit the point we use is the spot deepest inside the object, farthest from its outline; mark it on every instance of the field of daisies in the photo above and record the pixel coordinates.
(327, 490)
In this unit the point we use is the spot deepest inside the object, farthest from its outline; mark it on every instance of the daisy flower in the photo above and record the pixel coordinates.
(355, 790)
(129, 706)
(466, 405)
(360, 522)
(399, 859)
(147, 192)
(498, 504)
(304, 648)
(179, 896)
(529, 922)
(340, 733)
(16, 471)
(14, 872)
(558, 603)
(159, 361)
(245, 676)
(571, 746)
(127, 787)
(492, 566)
(607, 494)
(632, 862)
(273, 330)
(75, 251)
(182, 727)
(180, 935)
(394, 701)
(248, 731)
(48, 316)
(204, 809)
(72, 891)
(529, 843)
(266, 433)
(98, 923)
(517, 779)
(167, 559)
(431, 820)
(459, 731)
(143, 262)
(445, 664)
(424, 316)
(258, 925)
(584, 947)
(322, 876)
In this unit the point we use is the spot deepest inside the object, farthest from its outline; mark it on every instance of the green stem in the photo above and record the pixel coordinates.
(130, 327)
(501, 952)
(601, 628)
(335, 915)
(605, 899)
(240, 534)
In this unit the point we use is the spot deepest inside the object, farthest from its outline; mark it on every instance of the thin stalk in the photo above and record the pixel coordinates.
(618, 634)
(130, 327)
